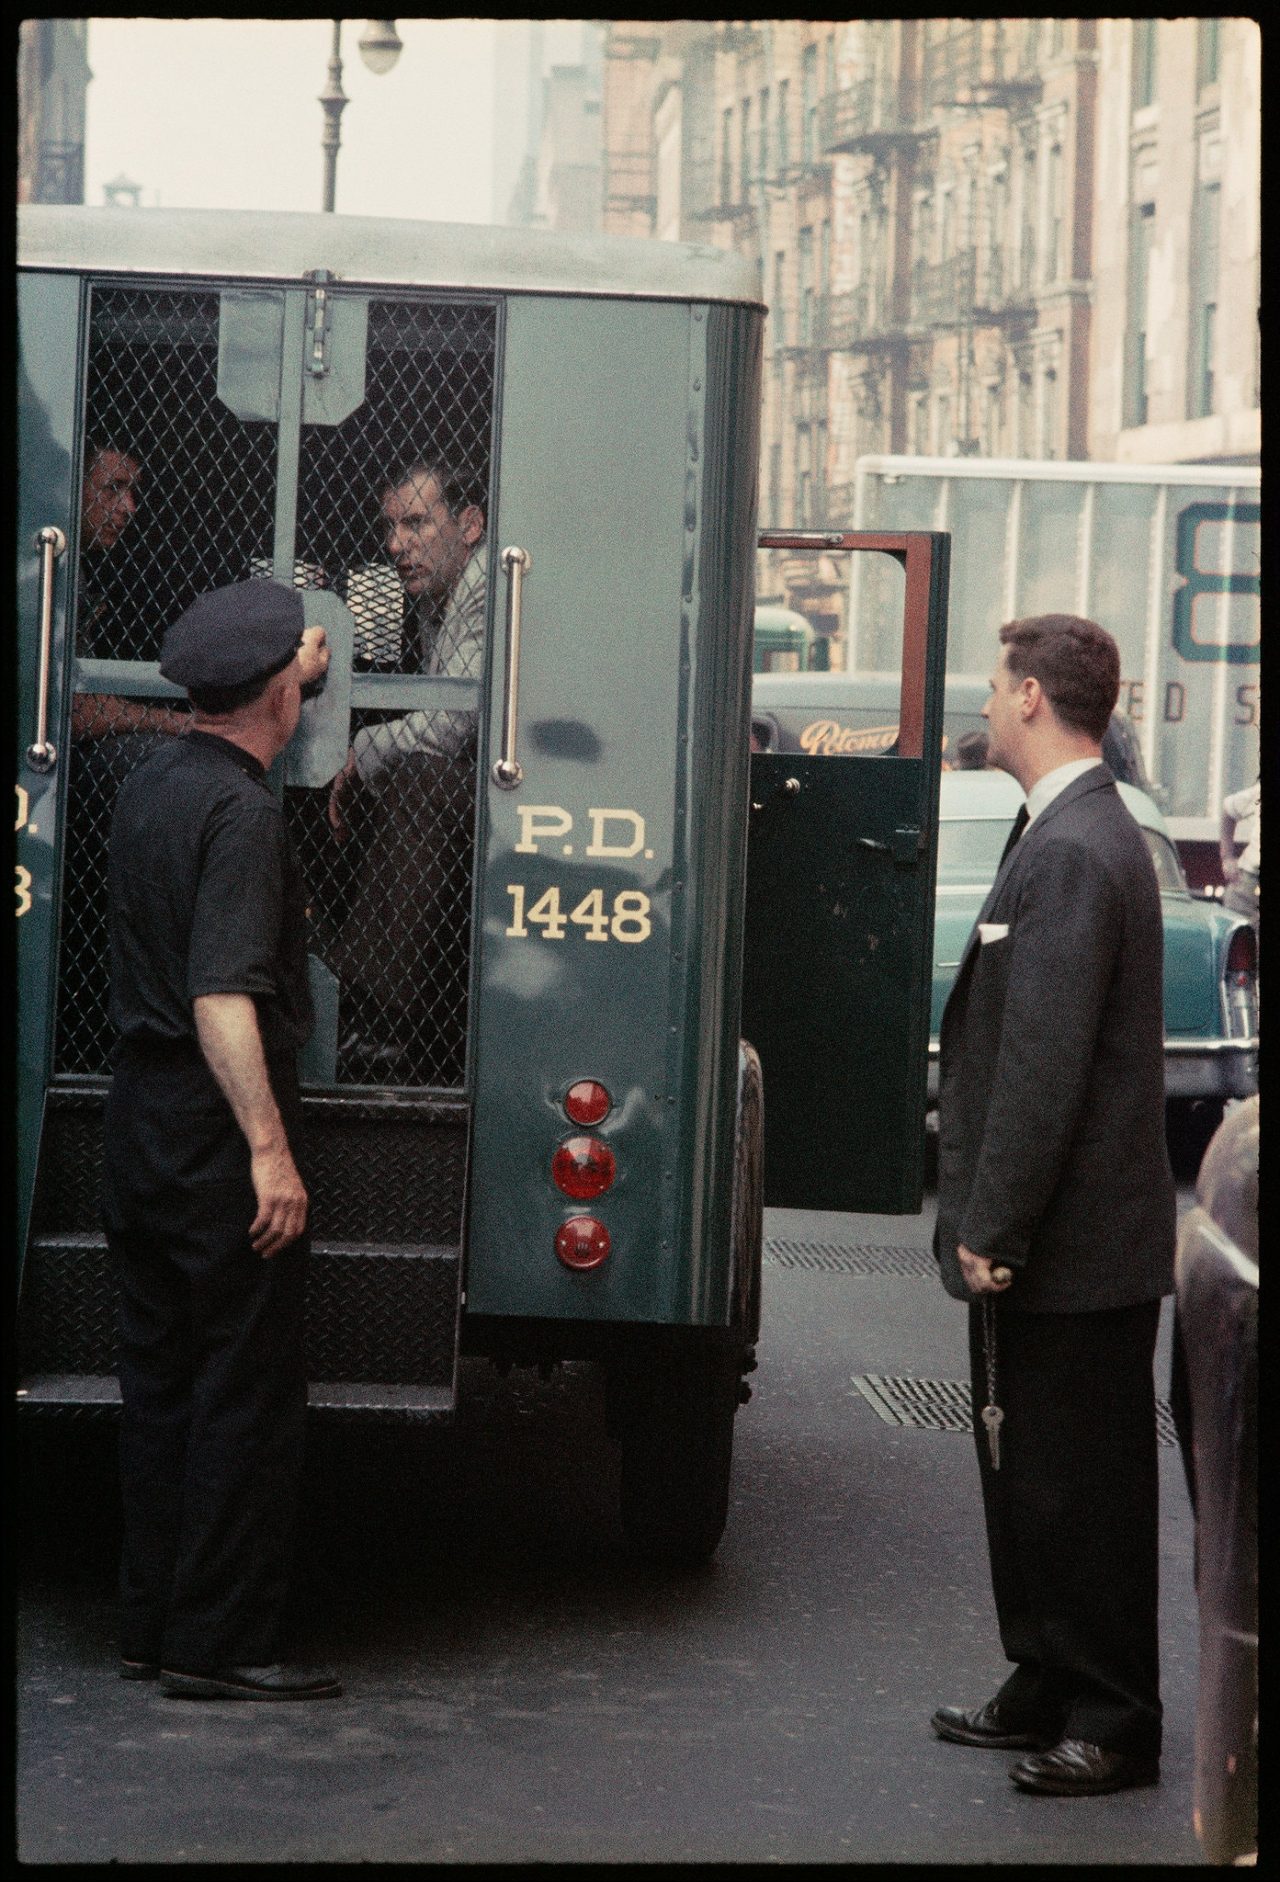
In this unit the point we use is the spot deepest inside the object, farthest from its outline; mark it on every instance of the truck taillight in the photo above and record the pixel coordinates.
(587, 1102)
(583, 1167)
(582, 1242)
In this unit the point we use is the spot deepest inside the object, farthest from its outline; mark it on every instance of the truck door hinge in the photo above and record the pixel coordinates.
(319, 317)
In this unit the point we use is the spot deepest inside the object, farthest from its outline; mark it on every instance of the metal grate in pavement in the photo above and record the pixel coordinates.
(943, 1404)
(850, 1258)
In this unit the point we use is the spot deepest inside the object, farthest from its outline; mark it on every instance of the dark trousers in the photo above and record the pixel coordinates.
(1072, 1520)
(213, 1385)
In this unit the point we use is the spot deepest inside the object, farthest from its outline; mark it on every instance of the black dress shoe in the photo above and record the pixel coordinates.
(1075, 1768)
(251, 1682)
(987, 1727)
(139, 1669)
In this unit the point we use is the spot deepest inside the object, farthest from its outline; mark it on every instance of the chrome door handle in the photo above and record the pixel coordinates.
(50, 541)
(507, 773)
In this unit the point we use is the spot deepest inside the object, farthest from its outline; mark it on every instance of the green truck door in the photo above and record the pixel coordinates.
(839, 925)
(49, 335)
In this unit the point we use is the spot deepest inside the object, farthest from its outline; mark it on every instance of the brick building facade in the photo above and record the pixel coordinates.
(933, 208)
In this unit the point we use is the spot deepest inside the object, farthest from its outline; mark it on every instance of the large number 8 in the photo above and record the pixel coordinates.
(1197, 582)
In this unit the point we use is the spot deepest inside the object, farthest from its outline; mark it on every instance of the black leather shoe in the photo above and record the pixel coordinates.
(251, 1682)
(139, 1669)
(1075, 1768)
(987, 1727)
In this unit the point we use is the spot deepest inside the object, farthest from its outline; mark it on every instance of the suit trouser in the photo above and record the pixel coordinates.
(1072, 1520)
(213, 1385)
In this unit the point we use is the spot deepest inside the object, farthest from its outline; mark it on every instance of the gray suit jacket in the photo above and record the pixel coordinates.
(1051, 1154)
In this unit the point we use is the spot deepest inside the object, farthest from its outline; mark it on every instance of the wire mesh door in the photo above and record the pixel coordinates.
(385, 506)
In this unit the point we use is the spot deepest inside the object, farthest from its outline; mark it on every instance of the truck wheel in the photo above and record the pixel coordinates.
(674, 1404)
(673, 1400)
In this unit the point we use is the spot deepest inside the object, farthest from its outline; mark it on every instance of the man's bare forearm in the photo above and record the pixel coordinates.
(227, 1027)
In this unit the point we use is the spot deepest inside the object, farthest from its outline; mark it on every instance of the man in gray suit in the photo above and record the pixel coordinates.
(1056, 1224)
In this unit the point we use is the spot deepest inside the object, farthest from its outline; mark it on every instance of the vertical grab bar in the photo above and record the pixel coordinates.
(507, 772)
(50, 541)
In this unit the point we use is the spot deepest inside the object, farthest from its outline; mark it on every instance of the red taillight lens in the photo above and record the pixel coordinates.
(582, 1242)
(583, 1167)
(587, 1102)
(1242, 952)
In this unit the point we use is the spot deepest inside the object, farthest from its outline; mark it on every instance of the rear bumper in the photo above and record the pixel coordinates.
(1193, 1068)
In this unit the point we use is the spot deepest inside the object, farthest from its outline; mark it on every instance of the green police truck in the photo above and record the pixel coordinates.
(555, 1148)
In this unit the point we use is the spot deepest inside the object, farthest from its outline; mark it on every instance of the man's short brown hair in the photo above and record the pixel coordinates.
(1076, 662)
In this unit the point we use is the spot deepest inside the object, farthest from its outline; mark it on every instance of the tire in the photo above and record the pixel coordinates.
(673, 1398)
(1189, 1125)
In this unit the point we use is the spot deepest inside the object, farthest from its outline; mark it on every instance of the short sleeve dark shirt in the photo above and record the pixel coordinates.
(205, 896)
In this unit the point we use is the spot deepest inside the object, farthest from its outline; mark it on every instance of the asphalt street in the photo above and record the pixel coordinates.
(518, 1690)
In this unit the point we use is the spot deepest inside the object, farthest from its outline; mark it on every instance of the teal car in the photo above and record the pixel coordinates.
(1210, 955)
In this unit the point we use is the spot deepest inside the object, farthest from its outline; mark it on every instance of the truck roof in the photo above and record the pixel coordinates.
(1059, 470)
(376, 250)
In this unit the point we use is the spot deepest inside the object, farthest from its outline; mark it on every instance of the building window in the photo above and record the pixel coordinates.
(784, 129)
(764, 132)
(1141, 240)
(1205, 224)
(1025, 390)
(824, 257)
(1056, 37)
(1027, 250)
(809, 102)
(804, 258)
(942, 424)
(726, 157)
(1053, 269)
(1144, 63)
(778, 312)
(919, 424)
(991, 421)
(1208, 53)
(1049, 414)
(775, 483)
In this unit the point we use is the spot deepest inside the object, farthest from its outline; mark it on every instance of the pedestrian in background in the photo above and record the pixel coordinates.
(1056, 1210)
(1241, 823)
(971, 752)
(204, 1209)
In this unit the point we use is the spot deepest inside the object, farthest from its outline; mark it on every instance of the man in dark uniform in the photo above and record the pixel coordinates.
(204, 1208)
(1056, 1212)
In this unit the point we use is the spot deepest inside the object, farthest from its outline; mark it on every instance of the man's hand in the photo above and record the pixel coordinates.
(340, 794)
(1230, 869)
(313, 661)
(282, 1201)
(977, 1272)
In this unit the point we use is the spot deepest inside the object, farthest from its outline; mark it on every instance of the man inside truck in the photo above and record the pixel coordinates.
(414, 778)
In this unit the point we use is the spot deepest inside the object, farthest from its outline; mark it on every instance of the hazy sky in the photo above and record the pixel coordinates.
(223, 114)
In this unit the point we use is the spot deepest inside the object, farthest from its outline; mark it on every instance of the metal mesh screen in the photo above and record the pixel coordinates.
(181, 496)
(178, 496)
(391, 903)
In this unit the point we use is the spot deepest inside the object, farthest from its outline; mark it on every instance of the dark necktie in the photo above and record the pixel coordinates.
(1020, 823)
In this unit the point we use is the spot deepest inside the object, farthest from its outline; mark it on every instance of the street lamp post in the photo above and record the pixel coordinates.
(380, 47)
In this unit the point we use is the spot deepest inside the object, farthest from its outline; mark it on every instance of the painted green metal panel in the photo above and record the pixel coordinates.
(49, 342)
(596, 484)
(839, 932)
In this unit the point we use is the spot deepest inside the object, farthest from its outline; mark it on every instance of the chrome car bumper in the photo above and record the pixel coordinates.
(1193, 1068)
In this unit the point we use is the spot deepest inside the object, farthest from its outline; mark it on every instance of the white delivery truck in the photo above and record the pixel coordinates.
(1166, 556)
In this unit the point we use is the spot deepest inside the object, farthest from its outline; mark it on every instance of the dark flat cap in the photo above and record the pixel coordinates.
(232, 635)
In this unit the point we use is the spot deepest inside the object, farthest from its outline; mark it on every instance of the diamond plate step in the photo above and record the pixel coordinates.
(97, 1396)
(385, 1314)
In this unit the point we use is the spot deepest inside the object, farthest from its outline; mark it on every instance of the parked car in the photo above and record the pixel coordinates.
(858, 712)
(1210, 956)
(1216, 1409)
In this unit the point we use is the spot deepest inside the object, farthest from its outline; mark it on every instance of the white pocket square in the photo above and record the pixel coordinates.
(992, 931)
